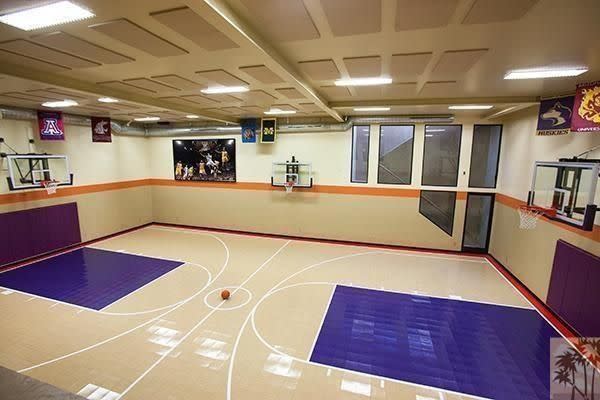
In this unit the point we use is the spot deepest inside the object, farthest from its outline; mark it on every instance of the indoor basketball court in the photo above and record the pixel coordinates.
(299, 199)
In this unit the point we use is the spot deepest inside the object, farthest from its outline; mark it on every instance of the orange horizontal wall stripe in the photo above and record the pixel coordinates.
(64, 191)
(516, 203)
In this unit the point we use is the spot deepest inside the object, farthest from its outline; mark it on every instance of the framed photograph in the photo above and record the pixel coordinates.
(204, 160)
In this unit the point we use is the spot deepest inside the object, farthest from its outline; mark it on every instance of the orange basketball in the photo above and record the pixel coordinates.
(225, 294)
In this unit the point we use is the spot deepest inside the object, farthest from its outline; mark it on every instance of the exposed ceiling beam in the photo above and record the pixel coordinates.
(66, 82)
(249, 33)
(436, 101)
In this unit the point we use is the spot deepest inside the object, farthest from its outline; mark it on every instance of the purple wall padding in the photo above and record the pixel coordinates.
(573, 292)
(28, 233)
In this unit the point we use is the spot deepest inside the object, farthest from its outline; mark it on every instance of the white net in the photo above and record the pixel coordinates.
(529, 216)
(289, 186)
(50, 186)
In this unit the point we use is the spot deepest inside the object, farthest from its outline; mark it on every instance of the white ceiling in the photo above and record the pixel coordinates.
(156, 55)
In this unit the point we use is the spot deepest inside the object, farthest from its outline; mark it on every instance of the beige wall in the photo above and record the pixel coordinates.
(529, 254)
(101, 213)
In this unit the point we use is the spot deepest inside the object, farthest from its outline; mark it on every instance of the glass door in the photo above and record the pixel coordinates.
(478, 222)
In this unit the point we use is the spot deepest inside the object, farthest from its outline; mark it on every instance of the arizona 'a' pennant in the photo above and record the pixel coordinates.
(51, 125)
(101, 131)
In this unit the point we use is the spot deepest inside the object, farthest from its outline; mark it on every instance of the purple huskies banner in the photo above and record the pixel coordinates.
(586, 112)
(555, 115)
(51, 125)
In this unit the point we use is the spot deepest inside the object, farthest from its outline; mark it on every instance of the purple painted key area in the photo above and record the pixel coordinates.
(485, 350)
(87, 277)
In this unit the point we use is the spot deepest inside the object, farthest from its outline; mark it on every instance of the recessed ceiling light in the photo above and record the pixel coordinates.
(147, 119)
(229, 128)
(277, 111)
(60, 104)
(107, 100)
(225, 89)
(544, 73)
(471, 107)
(58, 13)
(372, 109)
(363, 81)
(191, 116)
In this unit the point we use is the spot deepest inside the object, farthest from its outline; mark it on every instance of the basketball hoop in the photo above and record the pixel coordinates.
(289, 185)
(50, 186)
(529, 215)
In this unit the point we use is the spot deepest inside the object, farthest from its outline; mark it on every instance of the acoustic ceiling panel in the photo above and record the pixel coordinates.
(34, 50)
(409, 65)
(284, 107)
(252, 109)
(309, 107)
(454, 64)
(137, 37)
(232, 110)
(368, 92)
(225, 98)
(31, 62)
(360, 67)
(262, 74)
(353, 17)
(69, 94)
(438, 88)
(320, 70)
(195, 28)
(149, 84)
(200, 100)
(48, 95)
(257, 97)
(126, 87)
(178, 82)
(400, 90)
(290, 93)
(221, 77)
(30, 97)
(282, 21)
(423, 14)
(486, 11)
(74, 45)
(335, 92)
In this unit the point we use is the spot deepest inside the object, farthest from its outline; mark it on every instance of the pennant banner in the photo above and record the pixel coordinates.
(51, 125)
(101, 131)
(268, 130)
(586, 111)
(554, 117)
(249, 130)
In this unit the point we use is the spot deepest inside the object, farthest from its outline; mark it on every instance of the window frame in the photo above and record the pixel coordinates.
(453, 209)
(457, 159)
(497, 162)
(352, 154)
(489, 231)
(412, 155)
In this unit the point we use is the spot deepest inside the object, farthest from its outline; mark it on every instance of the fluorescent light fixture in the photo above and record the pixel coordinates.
(58, 13)
(435, 130)
(540, 73)
(229, 128)
(363, 81)
(277, 111)
(191, 116)
(372, 109)
(502, 112)
(225, 89)
(147, 119)
(107, 100)
(471, 107)
(60, 104)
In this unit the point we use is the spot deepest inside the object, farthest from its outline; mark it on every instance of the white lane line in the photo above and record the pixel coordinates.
(166, 354)
(314, 343)
(227, 255)
(300, 360)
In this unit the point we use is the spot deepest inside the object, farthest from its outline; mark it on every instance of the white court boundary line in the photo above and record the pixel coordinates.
(110, 339)
(303, 361)
(166, 354)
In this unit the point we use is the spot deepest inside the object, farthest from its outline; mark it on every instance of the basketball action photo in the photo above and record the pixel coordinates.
(300, 200)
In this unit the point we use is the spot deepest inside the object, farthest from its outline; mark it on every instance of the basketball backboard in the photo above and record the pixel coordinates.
(571, 188)
(292, 171)
(29, 171)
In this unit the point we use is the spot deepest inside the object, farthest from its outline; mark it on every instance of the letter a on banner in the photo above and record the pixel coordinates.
(51, 125)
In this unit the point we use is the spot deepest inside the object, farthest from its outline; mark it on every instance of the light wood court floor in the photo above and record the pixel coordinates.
(175, 339)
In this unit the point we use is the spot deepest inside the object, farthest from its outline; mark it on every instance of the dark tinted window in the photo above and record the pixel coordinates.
(438, 207)
(395, 153)
(360, 154)
(441, 154)
(484, 156)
